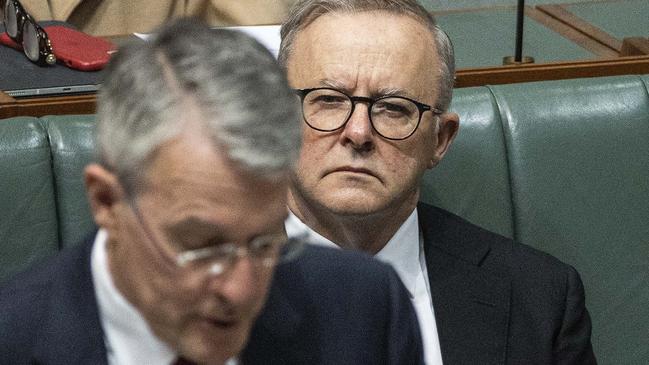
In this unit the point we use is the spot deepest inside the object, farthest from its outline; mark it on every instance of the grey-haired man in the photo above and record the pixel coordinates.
(376, 79)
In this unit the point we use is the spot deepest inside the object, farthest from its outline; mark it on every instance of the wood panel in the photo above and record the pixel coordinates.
(560, 13)
(635, 46)
(86, 104)
(565, 25)
(37, 107)
(4, 98)
(552, 71)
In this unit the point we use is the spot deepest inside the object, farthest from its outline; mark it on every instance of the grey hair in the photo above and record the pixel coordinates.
(240, 90)
(305, 12)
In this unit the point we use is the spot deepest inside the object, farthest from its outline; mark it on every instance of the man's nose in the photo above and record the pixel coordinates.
(240, 284)
(358, 131)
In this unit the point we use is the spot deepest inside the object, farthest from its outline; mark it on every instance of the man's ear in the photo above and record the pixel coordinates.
(104, 192)
(447, 128)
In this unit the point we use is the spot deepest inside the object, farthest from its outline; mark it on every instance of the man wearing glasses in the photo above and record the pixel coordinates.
(375, 79)
(196, 132)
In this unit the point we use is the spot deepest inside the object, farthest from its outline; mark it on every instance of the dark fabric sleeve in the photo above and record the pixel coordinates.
(404, 344)
(573, 344)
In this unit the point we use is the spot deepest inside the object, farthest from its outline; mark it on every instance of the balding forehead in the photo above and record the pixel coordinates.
(383, 50)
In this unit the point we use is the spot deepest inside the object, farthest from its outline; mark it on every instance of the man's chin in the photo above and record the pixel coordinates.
(212, 343)
(360, 205)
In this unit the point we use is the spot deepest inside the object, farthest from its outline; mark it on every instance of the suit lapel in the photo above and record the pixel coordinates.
(471, 303)
(72, 333)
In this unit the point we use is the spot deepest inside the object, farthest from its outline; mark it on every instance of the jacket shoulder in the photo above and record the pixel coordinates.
(26, 302)
(464, 239)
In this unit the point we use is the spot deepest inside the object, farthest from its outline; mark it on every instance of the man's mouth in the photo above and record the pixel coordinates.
(222, 323)
(355, 170)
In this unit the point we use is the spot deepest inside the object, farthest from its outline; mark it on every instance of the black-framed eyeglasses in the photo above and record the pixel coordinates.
(22, 29)
(264, 251)
(392, 117)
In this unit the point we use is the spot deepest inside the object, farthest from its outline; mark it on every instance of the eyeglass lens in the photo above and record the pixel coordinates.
(30, 42)
(392, 117)
(22, 29)
(11, 23)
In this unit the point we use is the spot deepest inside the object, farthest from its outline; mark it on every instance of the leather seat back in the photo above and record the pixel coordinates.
(472, 180)
(578, 156)
(28, 222)
(72, 145)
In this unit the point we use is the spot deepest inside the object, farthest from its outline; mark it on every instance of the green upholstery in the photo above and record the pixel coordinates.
(479, 194)
(72, 144)
(561, 165)
(28, 225)
(579, 159)
(645, 79)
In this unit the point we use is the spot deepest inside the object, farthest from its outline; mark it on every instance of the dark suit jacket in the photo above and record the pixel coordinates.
(326, 307)
(499, 302)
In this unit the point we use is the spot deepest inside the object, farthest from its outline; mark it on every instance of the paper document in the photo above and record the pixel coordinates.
(268, 35)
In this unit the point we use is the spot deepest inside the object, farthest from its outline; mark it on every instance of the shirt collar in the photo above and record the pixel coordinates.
(129, 339)
(402, 250)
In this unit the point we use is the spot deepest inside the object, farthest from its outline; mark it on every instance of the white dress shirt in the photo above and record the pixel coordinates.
(128, 338)
(405, 252)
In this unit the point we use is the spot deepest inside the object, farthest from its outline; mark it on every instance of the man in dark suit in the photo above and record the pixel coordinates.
(375, 79)
(324, 307)
(197, 131)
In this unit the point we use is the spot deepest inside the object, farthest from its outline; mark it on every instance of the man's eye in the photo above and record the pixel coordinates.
(391, 109)
(329, 99)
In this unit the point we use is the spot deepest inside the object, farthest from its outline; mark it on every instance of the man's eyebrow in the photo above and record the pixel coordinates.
(333, 84)
(388, 91)
(392, 91)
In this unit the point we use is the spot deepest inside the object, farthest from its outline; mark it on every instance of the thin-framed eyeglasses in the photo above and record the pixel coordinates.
(392, 117)
(264, 251)
(23, 29)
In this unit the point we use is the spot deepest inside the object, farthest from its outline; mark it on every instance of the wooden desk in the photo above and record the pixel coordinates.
(85, 104)
(636, 65)
(609, 65)
(71, 104)
(47, 105)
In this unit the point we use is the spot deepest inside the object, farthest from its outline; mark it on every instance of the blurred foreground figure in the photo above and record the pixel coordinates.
(197, 130)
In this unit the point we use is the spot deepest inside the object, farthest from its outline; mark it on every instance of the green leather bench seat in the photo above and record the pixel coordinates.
(28, 222)
(561, 165)
(72, 144)
(473, 179)
(579, 160)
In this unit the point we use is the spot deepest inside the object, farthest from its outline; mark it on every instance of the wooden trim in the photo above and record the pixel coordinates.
(86, 104)
(552, 71)
(572, 34)
(562, 14)
(4, 98)
(37, 107)
(635, 46)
